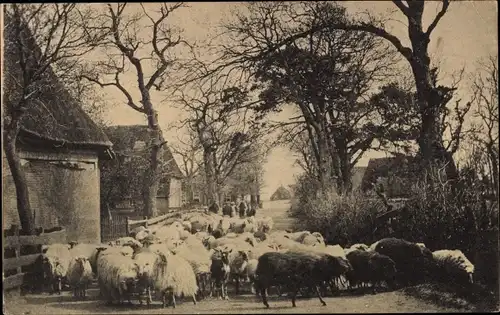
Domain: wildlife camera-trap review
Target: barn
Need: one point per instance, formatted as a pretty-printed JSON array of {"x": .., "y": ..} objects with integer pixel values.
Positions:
[
  {"x": 60, "y": 147},
  {"x": 131, "y": 143}
]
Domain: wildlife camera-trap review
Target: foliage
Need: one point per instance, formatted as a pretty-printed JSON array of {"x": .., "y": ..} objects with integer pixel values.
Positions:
[
  {"x": 434, "y": 214},
  {"x": 341, "y": 219}
]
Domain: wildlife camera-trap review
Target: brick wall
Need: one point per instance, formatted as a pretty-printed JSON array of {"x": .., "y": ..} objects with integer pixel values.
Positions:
[{"x": 60, "y": 193}]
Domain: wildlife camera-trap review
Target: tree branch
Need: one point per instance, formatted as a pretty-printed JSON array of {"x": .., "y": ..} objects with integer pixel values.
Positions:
[{"x": 432, "y": 26}]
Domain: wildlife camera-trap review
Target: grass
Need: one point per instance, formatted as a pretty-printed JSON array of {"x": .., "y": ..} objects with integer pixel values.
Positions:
[{"x": 474, "y": 299}]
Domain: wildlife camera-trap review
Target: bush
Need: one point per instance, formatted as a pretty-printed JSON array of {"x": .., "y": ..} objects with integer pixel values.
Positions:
[{"x": 340, "y": 219}]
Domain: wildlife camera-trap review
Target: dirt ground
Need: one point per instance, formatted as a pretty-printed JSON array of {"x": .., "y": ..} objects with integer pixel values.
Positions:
[{"x": 388, "y": 302}]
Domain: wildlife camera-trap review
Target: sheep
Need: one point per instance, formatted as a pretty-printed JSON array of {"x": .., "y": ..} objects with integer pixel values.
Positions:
[
  {"x": 168, "y": 233},
  {"x": 260, "y": 236},
  {"x": 130, "y": 241},
  {"x": 187, "y": 225},
  {"x": 297, "y": 236},
  {"x": 145, "y": 259},
  {"x": 117, "y": 275},
  {"x": 238, "y": 261},
  {"x": 87, "y": 250},
  {"x": 245, "y": 241},
  {"x": 141, "y": 235},
  {"x": 453, "y": 266},
  {"x": 201, "y": 223},
  {"x": 199, "y": 257},
  {"x": 173, "y": 276},
  {"x": 293, "y": 269},
  {"x": 313, "y": 239},
  {"x": 79, "y": 275},
  {"x": 368, "y": 266},
  {"x": 413, "y": 263},
  {"x": 220, "y": 272},
  {"x": 223, "y": 225},
  {"x": 136, "y": 230},
  {"x": 55, "y": 262},
  {"x": 250, "y": 270}
]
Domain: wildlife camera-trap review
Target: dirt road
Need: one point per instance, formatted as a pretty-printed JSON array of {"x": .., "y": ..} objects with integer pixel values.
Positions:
[
  {"x": 393, "y": 302},
  {"x": 390, "y": 302}
]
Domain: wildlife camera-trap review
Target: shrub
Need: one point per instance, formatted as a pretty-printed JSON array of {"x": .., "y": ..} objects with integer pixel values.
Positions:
[{"x": 341, "y": 219}]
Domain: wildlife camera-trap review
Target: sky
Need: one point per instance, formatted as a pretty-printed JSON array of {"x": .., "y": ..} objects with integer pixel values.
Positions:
[{"x": 466, "y": 33}]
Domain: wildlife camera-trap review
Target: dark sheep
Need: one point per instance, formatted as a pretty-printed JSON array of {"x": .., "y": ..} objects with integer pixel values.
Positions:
[
  {"x": 413, "y": 263},
  {"x": 370, "y": 267},
  {"x": 294, "y": 270},
  {"x": 220, "y": 272}
]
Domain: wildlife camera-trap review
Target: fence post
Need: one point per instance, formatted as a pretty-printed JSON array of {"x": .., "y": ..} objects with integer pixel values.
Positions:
[
  {"x": 127, "y": 226},
  {"x": 17, "y": 252}
]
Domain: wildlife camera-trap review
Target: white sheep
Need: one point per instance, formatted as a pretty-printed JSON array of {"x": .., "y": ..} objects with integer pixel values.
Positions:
[
  {"x": 117, "y": 275},
  {"x": 87, "y": 250},
  {"x": 145, "y": 259},
  {"x": 79, "y": 275},
  {"x": 251, "y": 268},
  {"x": 187, "y": 225},
  {"x": 360, "y": 246},
  {"x": 168, "y": 233},
  {"x": 126, "y": 241},
  {"x": 173, "y": 276},
  {"x": 238, "y": 260},
  {"x": 264, "y": 224},
  {"x": 453, "y": 265},
  {"x": 313, "y": 239},
  {"x": 56, "y": 258}
]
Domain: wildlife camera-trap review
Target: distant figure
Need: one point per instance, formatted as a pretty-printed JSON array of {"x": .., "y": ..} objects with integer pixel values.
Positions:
[
  {"x": 252, "y": 210},
  {"x": 226, "y": 210},
  {"x": 214, "y": 207},
  {"x": 233, "y": 209},
  {"x": 243, "y": 209}
]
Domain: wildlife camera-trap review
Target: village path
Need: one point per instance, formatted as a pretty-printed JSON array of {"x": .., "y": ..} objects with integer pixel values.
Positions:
[{"x": 387, "y": 302}]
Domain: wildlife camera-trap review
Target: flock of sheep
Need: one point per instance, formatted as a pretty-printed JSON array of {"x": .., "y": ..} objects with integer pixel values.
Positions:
[{"x": 199, "y": 254}]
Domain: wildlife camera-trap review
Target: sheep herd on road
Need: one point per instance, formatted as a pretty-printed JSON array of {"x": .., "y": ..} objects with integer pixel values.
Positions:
[{"x": 199, "y": 254}]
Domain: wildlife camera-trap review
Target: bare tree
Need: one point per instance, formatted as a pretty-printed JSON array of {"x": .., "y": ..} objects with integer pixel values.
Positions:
[
  {"x": 189, "y": 151},
  {"x": 42, "y": 41},
  {"x": 431, "y": 98},
  {"x": 326, "y": 74},
  {"x": 221, "y": 118},
  {"x": 485, "y": 89},
  {"x": 150, "y": 55}
]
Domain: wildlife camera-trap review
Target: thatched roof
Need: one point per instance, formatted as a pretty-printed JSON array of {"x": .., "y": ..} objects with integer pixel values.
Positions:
[
  {"x": 281, "y": 194},
  {"x": 125, "y": 137},
  {"x": 53, "y": 115}
]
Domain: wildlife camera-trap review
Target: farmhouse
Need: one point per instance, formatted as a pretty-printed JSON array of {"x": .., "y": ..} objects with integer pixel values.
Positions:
[
  {"x": 60, "y": 147},
  {"x": 131, "y": 144}
]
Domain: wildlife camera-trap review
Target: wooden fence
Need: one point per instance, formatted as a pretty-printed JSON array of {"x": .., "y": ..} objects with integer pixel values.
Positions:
[
  {"x": 120, "y": 225},
  {"x": 16, "y": 242}
]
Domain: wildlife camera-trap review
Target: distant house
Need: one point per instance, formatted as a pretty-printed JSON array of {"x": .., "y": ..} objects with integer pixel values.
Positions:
[
  {"x": 281, "y": 194},
  {"x": 357, "y": 174},
  {"x": 130, "y": 142},
  {"x": 394, "y": 173},
  {"x": 60, "y": 148}
]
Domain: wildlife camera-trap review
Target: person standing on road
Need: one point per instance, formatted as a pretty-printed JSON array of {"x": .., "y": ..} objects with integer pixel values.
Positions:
[{"x": 243, "y": 208}]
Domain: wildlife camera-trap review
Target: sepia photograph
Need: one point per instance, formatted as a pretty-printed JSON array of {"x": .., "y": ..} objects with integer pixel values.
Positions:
[{"x": 250, "y": 157}]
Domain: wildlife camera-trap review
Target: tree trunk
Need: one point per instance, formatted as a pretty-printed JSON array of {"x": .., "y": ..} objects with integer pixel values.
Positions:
[
  {"x": 429, "y": 98},
  {"x": 494, "y": 168},
  {"x": 18, "y": 176},
  {"x": 152, "y": 180},
  {"x": 210, "y": 180}
]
